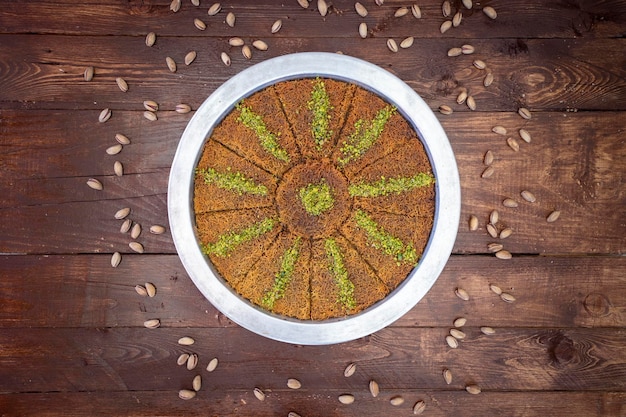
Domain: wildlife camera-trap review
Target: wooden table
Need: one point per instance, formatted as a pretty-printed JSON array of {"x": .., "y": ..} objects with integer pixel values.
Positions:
[{"x": 72, "y": 340}]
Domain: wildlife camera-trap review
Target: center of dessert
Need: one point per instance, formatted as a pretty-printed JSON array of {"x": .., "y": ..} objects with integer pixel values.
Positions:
[
  {"x": 317, "y": 198},
  {"x": 313, "y": 199}
]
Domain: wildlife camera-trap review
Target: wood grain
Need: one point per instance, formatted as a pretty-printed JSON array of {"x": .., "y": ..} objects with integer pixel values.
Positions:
[
  {"x": 71, "y": 336},
  {"x": 127, "y": 359},
  {"x": 575, "y": 163},
  {"x": 231, "y": 403},
  {"x": 523, "y": 19},
  {"x": 84, "y": 291},
  {"x": 541, "y": 74}
]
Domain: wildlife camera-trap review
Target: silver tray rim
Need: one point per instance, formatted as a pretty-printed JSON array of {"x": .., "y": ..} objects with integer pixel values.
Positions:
[{"x": 447, "y": 206}]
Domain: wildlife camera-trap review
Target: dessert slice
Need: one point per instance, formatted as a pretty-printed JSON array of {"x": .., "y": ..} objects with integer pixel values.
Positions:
[
  {"x": 391, "y": 243},
  {"x": 258, "y": 130},
  {"x": 234, "y": 240},
  {"x": 316, "y": 109},
  {"x": 226, "y": 181},
  {"x": 400, "y": 182},
  {"x": 279, "y": 281},
  {"x": 342, "y": 283},
  {"x": 373, "y": 129}
]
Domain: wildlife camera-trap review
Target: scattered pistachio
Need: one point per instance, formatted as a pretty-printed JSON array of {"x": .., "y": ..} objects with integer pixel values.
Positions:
[
  {"x": 473, "y": 223},
  {"x": 350, "y": 370},
  {"x": 121, "y": 84},
  {"x": 407, "y": 42},
  {"x": 401, "y": 11},
  {"x": 150, "y": 289},
  {"x": 116, "y": 258},
  {"x": 553, "y": 216},
  {"x": 322, "y": 7},
  {"x": 473, "y": 389},
  {"x": 197, "y": 382},
  {"x": 525, "y": 113},
  {"x": 212, "y": 365},
  {"x": 346, "y": 398},
  {"x": 199, "y": 24},
  {"x": 396, "y": 400},
  {"x": 490, "y": 12},
  {"x": 118, "y": 168},
  {"x": 214, "y": 9},
  {"x": 114, "y": 150},
  {"x": 416, "y": 11},
  {"x": 152, "y": 323},
  {"x": 445, "y": 26},
  {"x": 150, "y": 39},
  {"x": 94, "y": 184},
  {"x": 456, "y": 19},
  {"x": 104, "y": 115},
  {"x": 374, "y": 388},
  {"x": 503, "y": 254},
  {"x": 190, "y": 57},
  {"x": 225, "y": 59},
  {"x": 360, "y": 9},
  {"x": 462, "y": 294},
  {"x": 175, "y": 5},
  {"x": 259, "y": 394},
  {"x": 122, "y": 139},
  {"x": 171, "y": 64},
  {"x": 487, "y": 330},
  {"x": 230, "y": 19},
  {"x": 182, "y": 108},
  {"x": 88, "y": 74},
  {"x": 186, "y": 394},
  {"x": 122, "y": 213},
  {"x": 260, "y": 45},
  {"x": 363, "y": 30},
  {"x": 276, "y": 26}
]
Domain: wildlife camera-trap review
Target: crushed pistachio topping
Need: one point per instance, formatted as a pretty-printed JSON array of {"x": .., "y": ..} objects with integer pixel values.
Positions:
[
  {"x": 283, "y": 276},
  {"x": 229, "y": 241},
  {"x": 338, "y": 270},
  {"x": 268, "y": 140},
  {"x": 317, "y": 198},
  {"x": 365, "y": 134},
  {"x": 395, "y": 185},
  {"x": 380, "y": 239},
  {"x": 232, "y": 181},
  {"x": 321, "y": 108}
]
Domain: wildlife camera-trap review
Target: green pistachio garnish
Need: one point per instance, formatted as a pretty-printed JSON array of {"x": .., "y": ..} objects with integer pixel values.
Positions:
[
  {"x": 317, "y": 198},
  {"x": 337, "y": 269},
  {"x": 268, "y": 140},
  {"x": 229, "y": 241},
  {"x": 232, "y": 181},
  {"x": 386, "y": 186},
  {"x": 365, "y": 134},
  {"x": 380, "y": 239},
  {"x": 283, "y": 276},
  {"x": 321, "y": 108}
]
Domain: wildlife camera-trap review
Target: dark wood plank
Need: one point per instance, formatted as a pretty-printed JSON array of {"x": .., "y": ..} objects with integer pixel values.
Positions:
[
  {"x": 576, "y": 74},
  {"x": 518, "y": 18},
  {"x": 126, "y": 359},
  {"x": 84, "y": 291},
  {"x": 71, "y": 335},
  {"x": 280, "y": 402},
  {"x": 574, "y": 163}
]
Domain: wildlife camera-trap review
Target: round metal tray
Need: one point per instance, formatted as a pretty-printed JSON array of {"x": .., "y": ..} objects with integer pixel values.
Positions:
[{"x": 447, "y": 205}]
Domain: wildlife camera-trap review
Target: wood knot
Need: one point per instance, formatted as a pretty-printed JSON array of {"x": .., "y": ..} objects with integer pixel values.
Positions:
[
  {"x": 597, "y": 305},
  {"x": 446, "y": 85},
  {"x": 561, "y": 349}
]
